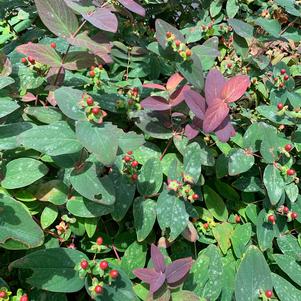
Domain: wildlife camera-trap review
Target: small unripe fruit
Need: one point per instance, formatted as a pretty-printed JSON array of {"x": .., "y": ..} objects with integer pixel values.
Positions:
[
  {"x": 206, "y": 226},
  {"x": 288, "y": 147},
  {"x": 188, "y": 52},
  {"x": 237, "y": 219},
  {"x": 24, "y": 298},
  {"x": 130, "y": 152},
  {"x": 134, "y": 164},
  {"x": 114, "y": 274},
  {"x": 90, "y": 101},
  {"x": 92, "y": 73},
  {"x": 269, "y": 294},
  {"x": 283, "y": 71},
  {"x": 127, "y": 158},
  {"x": 99, "y": 240},
  {"x": 100, "y": 66},
  {"x": 96, "y": 111},
  {"x": 271, "y": 219},
  {"x": 104, "y": 265},
  {"x": 178, "y": 43},
  {"x": 195, "y": 197},
  {"x": 281, "y": 85},
  {"x": 286, "y": 77},
  {"x": 31, "y": 60},
  {"x": 2, "y": 294},
  {"x": 229, "y": 65},
  {"x": 134, "y": 177},
  {"x": 168, "y": 34},
  {"x": 98, "y": 289},
  {"x": 276, "y": 79},
  {"x": 92, "y": 68},
  {"x": 280, "y": 106},
  {"x": 53, "y": 45},
  {"x": 290, "y": 172},
  {"x": 84, "y": 264},
  {"x": 24, "y": 60},
  {"x": 294, "y": 215},
  {"x": 285, "y": 210}
]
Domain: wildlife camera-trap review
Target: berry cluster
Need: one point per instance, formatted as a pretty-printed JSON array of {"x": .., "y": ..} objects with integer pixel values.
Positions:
[
  {"x": 95, "y": 74},
  {"x": 282, "y": 79},
  {"x": 130, "y": 166},
  {"x": 93, "y": 111},
  {"x": 183, "y": 189},
  {"x": 6, "y": 295},
  {"x": 181, "y": 48},
  {"x": 132, "y": 101},
  {"x": 99, "y": 271},
  {"x": 282, "y": 210}
]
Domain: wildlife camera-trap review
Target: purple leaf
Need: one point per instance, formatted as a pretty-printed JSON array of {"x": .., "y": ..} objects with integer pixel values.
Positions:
[
  {"x": 157, "y": 259},
  {"x": 178, "y": 96},
  {"x": 155, "y": 103},
  {"x": 174, "y": 81},
  {"x": 133, "y": 7},
  {"x": 43, "y": 54},
  {"x": 190, "y": 233},
  {"x": 153, "y": 86},
  {"x": 178, "y": 270},
  {"x": 225, "y": 131},
  {"x": 102, "y": 18},
  {"x": 235, "y": 88},
  {"x": 213, "y": 86},
  {"x": 150, "y": 276},
  {"x": 196, "y": 103},
  {"x": 193, "y": 129},
  {"x": 214, "y": 116}
]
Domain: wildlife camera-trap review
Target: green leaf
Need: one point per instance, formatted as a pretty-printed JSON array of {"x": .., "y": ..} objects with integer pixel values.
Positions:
[
  {"x": 184, "y": 295},
  {"x": 192, "y": 162},
  {"x": 54, "y": 191},
  {"x": 171, "y": 213},
  {"x": 46, "y": 115},
  {"x": 284, "y": 289},
  {"x": 147, "y": 151},
  {"x": 68, "y": 100},
  {"x": 290, "y": 6},
  {"x": 252, "y": 276},
  {"x": 17, "y": 229},
  {"x": 87, "y": 183},
  {"x": 240, "y": 238},
  {"x": 289, "y": 245},
  {"x": 100, "y": 140},
  {"x": 7, "y": 106},
  {"x": 270, "y": 113},
  {"x": 274, "y": 183},
  {"x": 53, "y": 269},
  {"x": 232, "y": 8},
  {"x": 48, "y": 216},
  {"x": 215, "y": 204},
  {"x": 289, "y": 266},
  {"x": 23, "y": 172},
  {"x": 241, "y": 28},
  {"x": 292, "y": 192},
  {"x": 248, "y": 184},
  {"x": 54, "y": 139},
  {"x": 240, "y": 161},
  {"x": 215, "y": 7},
  {"x": 5, "y": 81},
  {"x": 270, "y": 26},
  {"x": 130, "y": 141},
  {"x": 151, "y": 177},
  {"x": 144, "y": 211},
  {"x": 57, "y": 17},
  {"x": 265, "y": 231},
  {"x": 91, "y": 226},
  {"x": 222, "y": 233},
  {"x": 133, "y": 258}
]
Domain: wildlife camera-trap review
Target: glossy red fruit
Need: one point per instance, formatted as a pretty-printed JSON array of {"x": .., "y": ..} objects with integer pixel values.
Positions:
[
  {"x": 168, "y": 34},
  {"x": 286, "y": 77},
  {"x": 90, "y": 101},
  {"x": 294, "y": 215},
  {"x": 283, "y": 71},
  {"x": 276, "y": 79},
  {"x": 84, "y": 264},
  {"x": 288, "y": 147},
  {"x": 229, "y": 65},
  {"x": 281, "y": 85},
  {"x": 92, "y": 73},
  {"x": 290, "y": 172},
  {"x": 285, "y": 210},
  {"x": 98, "y": 289},
  {"x": 53, "y": 45},
  {"x": 272, "y": 219},
  {"x": 127, "y": 158},
  {"x": 178, "y": 43},
  {"x": 195, "y": 197},
  {"x": 31, "y": 60},
  {"x": 129, "y": 152},
  {"x": 280, "y": 106},
  {"x": 206, "y": 226},
  {"x": 24, "y": 298},
  {"x": 99, "y": 240},
  {"x": 23, "y": 60},
  {"x": 96, "y": 111},
  {"x": 104, "y": 265},
  {"x": 188, "y": 52},
  {"x": 134, "y": 177},
  {"x": 114, "y": 274},
  {"x": 268, "y": 294},
  {"x": 134, "y": 164},
  {"x": 237, "y": 219},
  {"x": 2, "y": 294}
]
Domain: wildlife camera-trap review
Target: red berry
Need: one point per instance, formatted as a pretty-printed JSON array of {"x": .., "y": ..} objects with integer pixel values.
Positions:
[
  {"x": 206, "y": 226},
  {"x": 2, "y": 294},
  {"x": 134, "y": 164},
  {"x": 168, "y": 34},
  {"x": 229, "y": 65},
  {"x": 237, "y": 219},
  {"x": 104, "y": 265},
  {"x": 286, "y": 77},
  {"x": 280, "y": 106},
  {"x": 92, "y": 73},
  {"x": 31, "y": 60},
  {"x": 98, "y": 289},
  {"x": 134, "y": 177},
  {"x": 188, "y": 52},
  {"x": 114, "y": 274},
  {"x": 178, "y": 43},
  {"x": 281, "y": 85},
  {"x": 24, "y": 60},
  {"x": 269, "y": 293},
  {"x": 294, "y": 215},
  {"x": 290, "y": 172},
  {"x": 53, "y": 45},
  {"x": 276, "y": 79},
  {"x": 84, "y": 264},
  {"x": 92, "y": 68},
  {"x": 90, "y": 101},
  {"x": 95, "y": 110},
  {"x": 195, "y": 197},
  {"x": 288, "y": 147},
  {"x": 129, "y": 152},
  {"x": 99, "y": 240},
  {"x": 285, "y": 210},
  {"x": 24, "y": 298},
  {"x": 283, "y": 71},
  {"x": 127, "y": 158},
  {"x": 271, "y": 219}
]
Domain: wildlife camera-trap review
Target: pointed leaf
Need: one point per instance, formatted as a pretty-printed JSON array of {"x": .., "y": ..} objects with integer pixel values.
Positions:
[
  {"x": 214, "y": 116},
  {"x": 213, "y": 86},
  {"x": 150, "y": 276},
  {"x": 196, "y": 103},
  {"x": 285, "y": 290},
  {"x": 155, "y": 103},
  {"x": 157, "y": 259},
  {"x": 235, "y": 88},
  {"x": 154, "y": 86},
  {"x": 133, "y": 7},
  {"x": 225, "y": 131},
  {"x": 174, "y": 81},
  {"x": 178, "y": 270},
  {"x": 178, "y": 96}
]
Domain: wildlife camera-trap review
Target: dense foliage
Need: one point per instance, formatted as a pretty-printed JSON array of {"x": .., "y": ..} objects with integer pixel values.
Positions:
[{"x": 150, "y": 151}]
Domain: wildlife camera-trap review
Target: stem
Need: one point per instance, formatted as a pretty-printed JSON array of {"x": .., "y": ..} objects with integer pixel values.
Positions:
[{"x": 166, "y": 149}]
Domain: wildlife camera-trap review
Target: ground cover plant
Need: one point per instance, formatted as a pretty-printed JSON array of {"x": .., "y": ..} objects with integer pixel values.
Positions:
[{"x": 150, "y": 150}]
